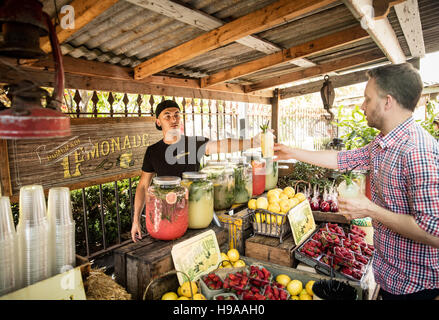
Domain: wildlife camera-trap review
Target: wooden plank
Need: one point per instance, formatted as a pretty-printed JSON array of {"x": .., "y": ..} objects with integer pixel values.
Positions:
[
  {"x": 382, "y": 7},
  {"x": 329, "y": 217},
  {"x": 271, "y": 250},
  {"x": 311, "y": 87},
  {"x": 85, "y": 11},
  {"x": 264, "y": 18},
  {"x": 75, "y": 81},
  {"x": 410, "y": 22},
  {"x": 90, "y": 68},
  {"x": 303, "y": 50},
  {"x": 380, "y": 30},
  {"x": 343, "y": 63},
  {"x": 275, "y": 104},
  {"x": 5, "y": 175}
]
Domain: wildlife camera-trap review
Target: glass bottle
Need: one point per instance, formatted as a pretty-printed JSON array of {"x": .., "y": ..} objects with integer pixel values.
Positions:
[
  {"x": 258, "y": 172},
  {"x": 200, "y": 207},
  {"x": 167, "y": 208}
]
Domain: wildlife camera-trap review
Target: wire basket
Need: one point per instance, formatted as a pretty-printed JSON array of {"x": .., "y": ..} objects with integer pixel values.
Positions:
[{"x": 269, "y": 223}]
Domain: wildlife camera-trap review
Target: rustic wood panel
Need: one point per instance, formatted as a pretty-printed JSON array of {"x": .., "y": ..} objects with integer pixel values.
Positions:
[
  {"x": 99, "y": 149},
  {"x": 5, "y": 177},
  {"x": 329, "y": 217},
  {"x": 271, "y": 250}
]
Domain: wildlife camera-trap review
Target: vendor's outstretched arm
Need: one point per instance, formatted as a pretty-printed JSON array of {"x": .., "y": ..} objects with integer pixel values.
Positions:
[
  {"x": 324, "y": 158},
  {"x": 139, "y": 203},
  {"x": 230, "y": 145}
]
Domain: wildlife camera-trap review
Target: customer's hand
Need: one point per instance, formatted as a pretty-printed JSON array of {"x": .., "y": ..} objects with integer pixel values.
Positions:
[
  {"x": 136, "y": 232},
  {"x": 282, "y": 152},
  {"x": 355, "y": 208}
]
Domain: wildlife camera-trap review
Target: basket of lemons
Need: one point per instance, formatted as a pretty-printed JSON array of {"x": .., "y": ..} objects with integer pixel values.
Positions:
[{"x": 269, "y": 214}]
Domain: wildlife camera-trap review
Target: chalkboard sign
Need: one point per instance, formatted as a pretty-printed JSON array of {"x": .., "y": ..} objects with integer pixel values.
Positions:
[{"x": 99, "y": 150}]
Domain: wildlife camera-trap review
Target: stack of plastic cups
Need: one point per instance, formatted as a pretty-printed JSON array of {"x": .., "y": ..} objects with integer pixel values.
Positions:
[
  {"x": 9, "y": 268},
  {"x": 62, "y": 229},
  {"x": 33, "y": 235}
]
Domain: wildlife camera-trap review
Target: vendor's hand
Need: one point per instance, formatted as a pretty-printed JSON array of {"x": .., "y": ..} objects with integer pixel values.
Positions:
[
  {"x": 136, "y": 232},
  {"x": 355, "y": 208},
  {"x": 282, "y": 152}
]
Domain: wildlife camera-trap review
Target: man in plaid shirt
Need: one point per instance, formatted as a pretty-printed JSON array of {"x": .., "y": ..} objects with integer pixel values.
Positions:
[{"x": 403, "y": 161}]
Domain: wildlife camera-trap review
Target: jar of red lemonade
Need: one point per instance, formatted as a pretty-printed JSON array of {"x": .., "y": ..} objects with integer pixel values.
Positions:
[
  {"x": 258, "y": 172},
  {"x": 167, "y": 208}
]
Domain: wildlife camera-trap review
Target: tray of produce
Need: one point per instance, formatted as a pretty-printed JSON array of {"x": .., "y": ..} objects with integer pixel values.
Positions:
[{"x": 341, "y": 249}]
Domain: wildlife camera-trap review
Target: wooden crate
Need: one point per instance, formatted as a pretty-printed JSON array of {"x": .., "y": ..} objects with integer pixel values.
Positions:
[
  {"x": 271, "y": 250},
  {"x": 329, "y": 217},
  {"x": 136, "y": 264}
]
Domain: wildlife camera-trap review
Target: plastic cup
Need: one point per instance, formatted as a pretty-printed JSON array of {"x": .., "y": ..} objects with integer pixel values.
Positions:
[
  {"x": 9, "y": 269},
  {"x": 62, "y": 229}
]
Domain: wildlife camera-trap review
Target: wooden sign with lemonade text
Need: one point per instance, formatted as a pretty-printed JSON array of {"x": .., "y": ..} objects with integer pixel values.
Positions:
[{"x": 99, "y": 150}]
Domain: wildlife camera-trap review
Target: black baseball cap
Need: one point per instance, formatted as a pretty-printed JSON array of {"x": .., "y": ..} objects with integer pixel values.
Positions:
[{"x": 162, "y": 106}]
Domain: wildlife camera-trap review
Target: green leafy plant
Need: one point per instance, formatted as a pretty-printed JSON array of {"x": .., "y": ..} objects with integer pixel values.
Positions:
[
  {"x": 429, "y": 123},
  {"x": 265, "y": 127},
  {"x": 356, "y": 132}
]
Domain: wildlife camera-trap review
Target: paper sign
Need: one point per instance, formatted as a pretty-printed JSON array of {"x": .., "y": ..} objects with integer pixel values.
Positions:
[
  {"x": 196, "y": 256},
  {"x": 301, "y": 221}
]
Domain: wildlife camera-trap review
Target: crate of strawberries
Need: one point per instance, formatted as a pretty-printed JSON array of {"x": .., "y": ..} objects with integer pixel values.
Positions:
[{"x": 342, "y": 249}]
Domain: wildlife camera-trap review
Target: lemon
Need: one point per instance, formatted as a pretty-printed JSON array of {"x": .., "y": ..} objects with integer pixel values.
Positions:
[
  {"x": 293, "y": 202},
  {"x": 273, "y": 192},
  {"x": 252, "y": 204},
  {"x": 279, "y": 220},
  {"x": 233, "y": 255},
  {"x": 283, "y": 196},
  {"x": 300, "y": 196},
  {"x": 259, "y": 217},
  {"x": 295, "y": 287},
  {"x": 183, "y": 298},
  {"x": 179, "y": 291},
  {"x": 262, "y": 203},
  {"x": 308, "y": 287},
  {"x": 274, "y": 198},
  {"x": 170, "y": 296},
  {"x": 289, "y": 191},
  {"x": 239, "y": 263},
  {"x": 225, "y": 258},
  {"x": 186, "y": 288},
  {"x": 278, "y": 190},
  {"x": 294, "y": 298},
  {"x": 305, "y": 296},
  {"x": 283, "y": 279},
  {"x": 271, "y": 219},
  {"x": 199, "y": 296},
  {"x": 274, "y": 207},
  {"x": 284, "y": 206}
]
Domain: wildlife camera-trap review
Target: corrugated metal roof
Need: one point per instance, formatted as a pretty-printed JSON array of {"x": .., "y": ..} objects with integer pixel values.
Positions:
[{"x": 127, "y": 34}]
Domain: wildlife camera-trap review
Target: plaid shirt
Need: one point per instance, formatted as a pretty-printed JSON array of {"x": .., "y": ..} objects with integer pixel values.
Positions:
[{"x": 404, "y": 173}]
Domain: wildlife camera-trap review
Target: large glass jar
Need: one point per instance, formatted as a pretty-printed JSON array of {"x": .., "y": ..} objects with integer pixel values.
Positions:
[
  {"x": 271, "y": 173},
  {"x": 258, "y": 172},
  {"x": 243, "y": 180},
  {"x": 166, "y": 208},
  {"x": 200, "y": 199},
  {"x": 221, "y": 173}
]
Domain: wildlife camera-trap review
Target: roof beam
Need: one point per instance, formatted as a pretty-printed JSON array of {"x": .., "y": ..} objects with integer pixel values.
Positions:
[
  {"x": 380, "y": 30},
  {"x": 382, "y": 7},
  {"x": 85, "y": 11},
  {"x": 300, "y": 51},
  {"x": 267, "y": 17},
  {"x": 311, "y": 87},
  {"x": 317, "y": 70},
  {"x": 410, "y": 21},
  {"x": 203, "y": 21}
]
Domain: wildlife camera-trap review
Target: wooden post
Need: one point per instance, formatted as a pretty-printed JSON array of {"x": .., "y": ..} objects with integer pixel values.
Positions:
[{"x": 275, "y": 101}]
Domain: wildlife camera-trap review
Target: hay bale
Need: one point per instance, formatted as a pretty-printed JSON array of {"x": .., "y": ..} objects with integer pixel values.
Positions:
[{"x": 100, "y": 286}]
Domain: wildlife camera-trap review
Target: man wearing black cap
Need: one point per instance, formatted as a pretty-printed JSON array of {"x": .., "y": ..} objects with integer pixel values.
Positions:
[{"x": 177, "y": 153}]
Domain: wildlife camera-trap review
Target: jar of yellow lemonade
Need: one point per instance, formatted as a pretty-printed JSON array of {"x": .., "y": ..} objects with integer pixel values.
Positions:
[
  {"x": 200, "y": 199},
  {"x": 271, "y": 173}
]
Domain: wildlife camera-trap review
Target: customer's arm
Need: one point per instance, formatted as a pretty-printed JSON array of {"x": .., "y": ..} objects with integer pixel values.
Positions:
[
  {"x": 139, "y": 203},
  {"x": 324, "y": 158}
]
